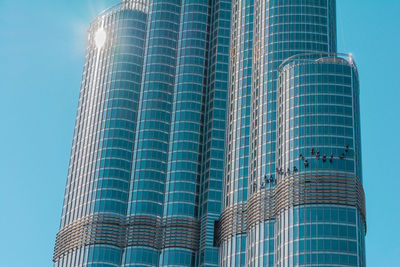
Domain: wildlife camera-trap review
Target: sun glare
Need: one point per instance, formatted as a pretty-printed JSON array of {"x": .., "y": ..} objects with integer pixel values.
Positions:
[{"x": 100, "y": 37}]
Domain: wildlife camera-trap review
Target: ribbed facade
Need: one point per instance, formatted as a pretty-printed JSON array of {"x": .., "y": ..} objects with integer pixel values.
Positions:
[
  {"x": 145, "y": 180},
  {"x": 211, "y": 179},
  {"x": 281, "y": 190},
  {"x": 97, "y": 190},
  {"x": 215, "y": 133},
  {"x": 238, "y": 126},
  {"x": 283, "y": 29},
  {"x": 320, "y": 206}
]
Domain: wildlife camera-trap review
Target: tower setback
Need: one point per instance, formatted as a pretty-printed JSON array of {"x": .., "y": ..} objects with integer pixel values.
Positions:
[{"x": 215, "y": 133}]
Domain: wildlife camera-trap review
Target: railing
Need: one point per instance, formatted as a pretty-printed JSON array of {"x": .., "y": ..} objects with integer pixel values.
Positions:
[
  {"x": 140, "y": 5},
  {"x": 338, "y": 58}
]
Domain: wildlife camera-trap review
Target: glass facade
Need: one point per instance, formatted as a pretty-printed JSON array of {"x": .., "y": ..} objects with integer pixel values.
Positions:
[
  {"x": 238, "y": 126},
  {"x": 145, "y": 180},
  {"x": 318, "y": 147},
  {"x": 97, "y": 189},
  {"x": 211, "y": 179},
  {"x": 291, "y": 114},
  {"x": 215, "y": 133},
  {"x": 283, "y": 29}
]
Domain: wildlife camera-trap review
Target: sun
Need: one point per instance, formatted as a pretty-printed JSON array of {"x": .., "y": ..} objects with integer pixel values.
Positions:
[{"x": 100, "y": 37}]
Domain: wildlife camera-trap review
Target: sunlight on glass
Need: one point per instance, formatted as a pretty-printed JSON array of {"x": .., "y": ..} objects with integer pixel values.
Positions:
[{"x": 100, "y": 38}]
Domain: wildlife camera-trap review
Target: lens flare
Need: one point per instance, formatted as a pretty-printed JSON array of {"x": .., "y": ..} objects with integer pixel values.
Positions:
[{"x": 100, "y": 37}]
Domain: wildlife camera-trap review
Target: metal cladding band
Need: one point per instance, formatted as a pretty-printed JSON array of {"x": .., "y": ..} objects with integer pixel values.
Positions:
[
  {"x": 240, "y": 218},
  {"x": 180, "y": 232},
  {"x": 170, "y": 232},
  {"x": 295, "y": 190},
  {"x": 260, "y": 207},
  {"x": 95, "y": 229},
  {"x": 134, "y": 231},
  {"x": 143, "y": 231},
  {"x": 232, "y": 221},
  {"x": 320, "y": 188}
]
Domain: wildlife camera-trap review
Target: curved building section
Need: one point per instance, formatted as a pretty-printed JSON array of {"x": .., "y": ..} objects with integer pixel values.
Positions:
[
  {"x": 96, "y": 195},
  {"x": 282, "y": 29},
  {"x": 320, "y": 206},
  {"x": 150, "y": 154},
  {"x": 233, "y": 245},
  {"x": 167, "y": 134},
  {"x": 212, "y": 169},
  {"x": 145, "y": 180},
  {"x": 185, "y": 140}
]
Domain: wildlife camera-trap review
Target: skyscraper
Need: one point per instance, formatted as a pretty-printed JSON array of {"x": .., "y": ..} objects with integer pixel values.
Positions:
[
  {"x": 305, "y": 203},
  {"x": 319, "y": 201},
  {"x": 215, "y": 133},
  {"x": 146, "y": 169}
]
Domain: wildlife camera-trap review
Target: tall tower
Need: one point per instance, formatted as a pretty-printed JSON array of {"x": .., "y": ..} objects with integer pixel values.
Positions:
[
  {"x": 281, "y": 30},
  {"x": 144, "y": 186},
  {"x": 97, "y": 191},
  {"x": 233, "y": 245},
  {"x": 319, "y": 201},
  {"x": 173, "y": 158}
]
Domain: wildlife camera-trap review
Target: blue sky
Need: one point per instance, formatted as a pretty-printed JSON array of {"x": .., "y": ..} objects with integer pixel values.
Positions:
[{"x": 42, "y": 46}]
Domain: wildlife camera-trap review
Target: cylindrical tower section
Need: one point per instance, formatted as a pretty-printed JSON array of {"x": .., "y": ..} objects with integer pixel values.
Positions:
[
  {"x": 93, "y": 219},
  {"x": 282, "y": 29},
  {"x": 180, "y": 212},
  {"x": 320, "y": 207},
  {"x": 150, "y": 156},
  {"x": 212, "y": 170},
  {"x": 232, "y": 222}
]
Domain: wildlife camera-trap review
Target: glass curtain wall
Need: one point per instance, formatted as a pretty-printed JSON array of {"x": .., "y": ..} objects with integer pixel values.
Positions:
[
  {"x": 145, "y": 180},
  {"x": 233, "y": 247},
  {"x": 181, "y": 198},
  {"x": 150, "y": 156},
  {"x": 97, "y": 187},
  {"x": 281, "y": 29},
  {"x": 211, "y": 181},
  {"x": 319, "y": 157}
]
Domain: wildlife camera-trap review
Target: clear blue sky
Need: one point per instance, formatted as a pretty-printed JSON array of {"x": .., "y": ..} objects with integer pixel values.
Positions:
[{"x": 42, "y": 45}]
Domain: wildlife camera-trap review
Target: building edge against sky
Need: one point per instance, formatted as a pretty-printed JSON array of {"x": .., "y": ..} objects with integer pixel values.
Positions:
[
  {"x": 146, "y": 183},
  {"x": 322, "y": 221},
  {"x": 97, "y": 187},
  {"x": 274, "y": 237},
  {"x": 145, "y": 176}
]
